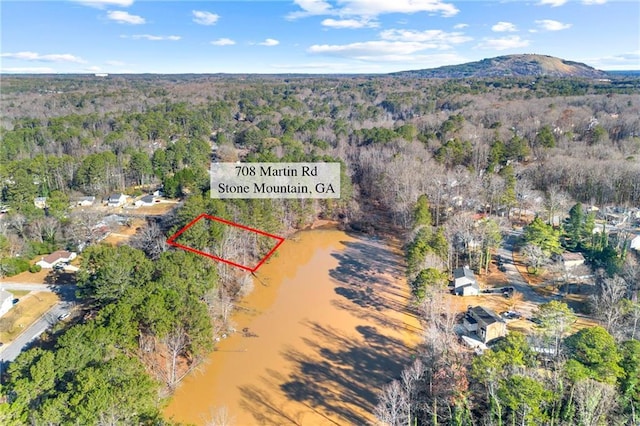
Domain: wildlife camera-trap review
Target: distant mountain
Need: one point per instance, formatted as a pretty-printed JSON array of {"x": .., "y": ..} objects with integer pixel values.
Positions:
[{"x": 510, "y": 66}]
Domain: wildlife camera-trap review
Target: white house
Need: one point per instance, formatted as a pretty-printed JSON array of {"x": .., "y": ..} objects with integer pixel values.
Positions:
[
  {"x": 116, "y": 200},
  {"x": 464, "y": 282},
  {"x": 6, "y": 302},
  {"x": 86, "y": 201},
  {"x": 147, "y": 200},
  {"x": 60, "y": 256},
  {"x": 635, "y": 242}
]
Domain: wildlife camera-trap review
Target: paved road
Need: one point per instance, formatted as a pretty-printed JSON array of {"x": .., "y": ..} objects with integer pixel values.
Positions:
[
  {"x": 12, "y": 350},
  {"x": 66, "y": 292},
  {"x": 516, "y": 280}
]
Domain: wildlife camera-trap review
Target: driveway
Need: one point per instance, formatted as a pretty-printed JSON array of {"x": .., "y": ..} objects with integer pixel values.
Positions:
[{"x": 516, "y": 280}]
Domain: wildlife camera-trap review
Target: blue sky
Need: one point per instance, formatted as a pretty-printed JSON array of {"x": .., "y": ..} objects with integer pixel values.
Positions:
[{"x": 308, "y": 36}]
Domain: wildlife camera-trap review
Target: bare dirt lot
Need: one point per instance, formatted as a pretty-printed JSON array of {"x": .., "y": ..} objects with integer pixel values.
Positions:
[{"x": 122, "y": 234}]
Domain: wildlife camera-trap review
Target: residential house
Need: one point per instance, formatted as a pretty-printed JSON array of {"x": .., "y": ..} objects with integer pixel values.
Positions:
[
  {"x": 634, "y": 243},
  {"x": 571, "y": 260},
  {"x": 116, "y": 200},
  {"x": 6, "y": 302},
  {"x": 464, "y": 282},
  {"x": 40, "y": 202},
  {"x": 86, "y": 201},
  {"x": 147, "y": 200},
  {"x": 484, "y": 323},
  {"x": 60, "y": 256}
]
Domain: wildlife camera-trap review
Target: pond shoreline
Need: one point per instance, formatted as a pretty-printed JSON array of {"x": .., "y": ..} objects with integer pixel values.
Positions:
[{"x": 326, "y": 327}]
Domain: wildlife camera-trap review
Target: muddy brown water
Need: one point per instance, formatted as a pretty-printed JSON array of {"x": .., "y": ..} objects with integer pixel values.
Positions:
[{"x": 325, "y": 328}]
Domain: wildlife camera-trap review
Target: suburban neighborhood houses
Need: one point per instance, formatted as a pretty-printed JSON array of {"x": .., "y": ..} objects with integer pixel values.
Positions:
[
  {"x": 481, "y": 266},
  {"x": 56, "y": 258}
]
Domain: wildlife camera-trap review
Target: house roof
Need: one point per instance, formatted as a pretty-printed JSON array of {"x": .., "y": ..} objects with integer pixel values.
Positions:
[
  {"x": 40, "y": 199},
  {"x": 485, "y": 314},
  {"x": 147, "y": 199},
  {"x": 56, "y": 256},
  {"x": 92, "y": 198},
  {"x": 464, "y": 272},
  {"x": 115, "y": 197}
]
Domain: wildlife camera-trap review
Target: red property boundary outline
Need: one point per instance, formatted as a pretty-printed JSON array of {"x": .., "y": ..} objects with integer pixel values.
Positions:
[{"x": 172, "y": 241}]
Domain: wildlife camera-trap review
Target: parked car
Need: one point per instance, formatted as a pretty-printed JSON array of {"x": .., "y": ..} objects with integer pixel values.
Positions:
[{"x": 63, "y": 316}]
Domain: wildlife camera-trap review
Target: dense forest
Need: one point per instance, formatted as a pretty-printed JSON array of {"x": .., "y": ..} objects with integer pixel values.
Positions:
[{"x": 420, "y": 158}]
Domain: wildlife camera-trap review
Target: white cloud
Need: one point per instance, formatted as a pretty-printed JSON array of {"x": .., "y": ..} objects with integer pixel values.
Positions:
[
  {"x": 621, "y": 61},
  {"x": 33, "y": 56},
  {"x": 122, "y": 17},
  {"x": 504, "y": 43},
  {"x": 93, "y": 68},
  {"x": 269, "y": 42},
  {"x": 384, "y": 65},
  {"x": 437, "y": 38},
  {"x": 152, "y": 37},
  {"x": 349, "y": 23},
  {"x": 310, "y": 8},
  {"x": 387, "y": 51},
  {"x": 553, "y": 3},
  {"x": 223, "y": 42},
  {"x": 551, "y": 25},
  {"x": 371, "y": 8},
  {"x": 380, "y": 7},
  {"x": 502, "y": 27},
  {"x": 204, "y": 18},
  {"x": 28, "y": 70},
  {"x": 381, "y": 50},
  {"x": 460, "y": 26},
  {"x": 100, "y": 4},
  {"x": 591, "y": 2}
]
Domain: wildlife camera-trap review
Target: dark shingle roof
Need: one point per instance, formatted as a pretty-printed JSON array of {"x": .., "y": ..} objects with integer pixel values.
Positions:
[{"x": 485, "y": 314}]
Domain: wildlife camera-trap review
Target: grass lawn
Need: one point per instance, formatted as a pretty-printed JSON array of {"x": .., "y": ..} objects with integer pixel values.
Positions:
[{"x": 24, "y": 313}]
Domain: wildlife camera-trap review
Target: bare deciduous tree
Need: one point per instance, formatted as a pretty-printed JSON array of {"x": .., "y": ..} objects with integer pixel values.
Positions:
[
  {"x": 606, "y": 303},
  {"x": 594, "y": 401}
]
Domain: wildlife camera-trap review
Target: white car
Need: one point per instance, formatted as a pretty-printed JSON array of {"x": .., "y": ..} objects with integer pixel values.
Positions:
[{"x": 63, "y": 316}]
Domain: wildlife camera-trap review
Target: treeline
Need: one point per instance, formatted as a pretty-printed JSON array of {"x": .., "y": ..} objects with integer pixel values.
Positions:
[
  {"x": 152, "y": 322},
  {"x": 555, "y": 378}
]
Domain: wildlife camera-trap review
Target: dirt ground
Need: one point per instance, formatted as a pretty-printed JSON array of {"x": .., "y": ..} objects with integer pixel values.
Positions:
[
  {"x": 123, "y": 233},
  {"x": 28, "y": 277},
  {"x": 538, "y": 279},
  {"x": 24, "y": 313},
  {"x": 157, "y": 209}
]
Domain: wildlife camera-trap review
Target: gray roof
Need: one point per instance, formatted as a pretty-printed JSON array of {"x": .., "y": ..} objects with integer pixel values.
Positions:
[
  {"x": 115, "y": 197},
  {"x": 485, "y": 314},
  {"x": 463, "y": 272},
  {"x": 147, "y": 199}
]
